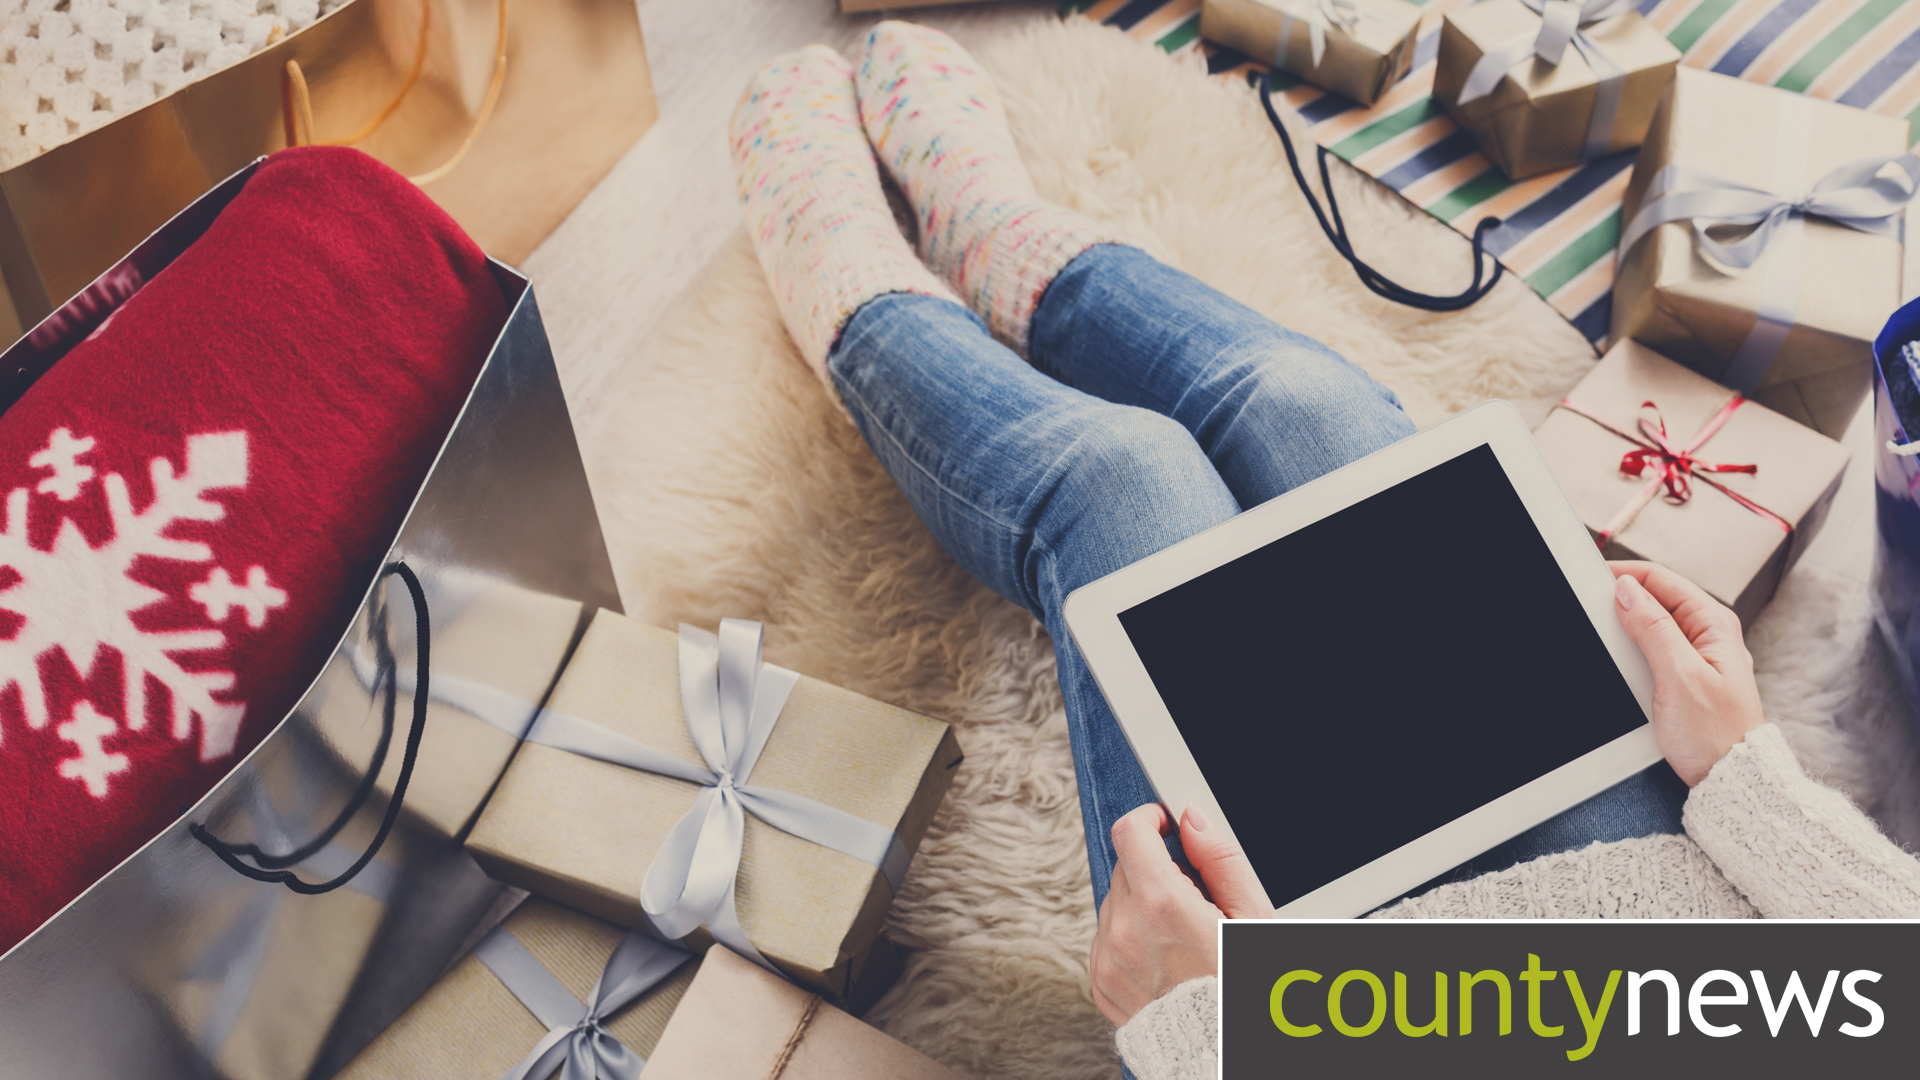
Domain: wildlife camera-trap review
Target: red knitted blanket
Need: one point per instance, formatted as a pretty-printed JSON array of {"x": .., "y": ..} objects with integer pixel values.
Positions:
[{"x": 196, "y": 497}]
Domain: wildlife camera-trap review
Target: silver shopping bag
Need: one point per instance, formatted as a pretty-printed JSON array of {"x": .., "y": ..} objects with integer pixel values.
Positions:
[{"x": 176, "y": 964}]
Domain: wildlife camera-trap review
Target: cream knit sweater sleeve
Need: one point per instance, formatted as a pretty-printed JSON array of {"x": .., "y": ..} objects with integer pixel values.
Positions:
[
  {"x": 1796, "y": 848},
  {"x": 1172, "y": 1038}
]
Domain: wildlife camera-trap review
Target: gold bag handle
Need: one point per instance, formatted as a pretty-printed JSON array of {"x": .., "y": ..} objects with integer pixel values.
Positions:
[{"x": 296, "y": 102}]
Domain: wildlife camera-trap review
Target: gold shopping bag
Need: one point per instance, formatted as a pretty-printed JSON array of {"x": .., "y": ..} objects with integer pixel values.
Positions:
[{"x": 573, "y": 96}]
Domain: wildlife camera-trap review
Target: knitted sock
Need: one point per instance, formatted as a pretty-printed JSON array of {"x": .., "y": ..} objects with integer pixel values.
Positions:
[
  {"x": 935, "y": 120},
  {"x": 815, "y": 208}
]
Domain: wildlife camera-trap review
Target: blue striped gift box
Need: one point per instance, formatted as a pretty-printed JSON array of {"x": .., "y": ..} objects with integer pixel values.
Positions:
[{"x": 1559, "y": 230}]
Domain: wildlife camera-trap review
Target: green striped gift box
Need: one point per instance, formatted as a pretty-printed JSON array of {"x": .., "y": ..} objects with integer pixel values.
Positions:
[{"x": 1559, "y": 231}]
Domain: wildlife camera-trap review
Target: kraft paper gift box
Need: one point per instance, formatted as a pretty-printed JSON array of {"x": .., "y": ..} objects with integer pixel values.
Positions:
[
  {"x": 1735, "y": 540},
  {"x": 737, "y": 1022},
  {"x": 495, "y": 650},
  {"x": 473, "y": 1025},
  {"x": 1364, "y": 46},
  {"x": 260, "y": 972},
  {"x": 586, "y": 832},
  {"x": 1832, "y": 285},
  {"x": 1542, "y": 116}
]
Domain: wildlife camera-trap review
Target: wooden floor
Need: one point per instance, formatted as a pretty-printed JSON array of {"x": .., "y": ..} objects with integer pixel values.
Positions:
[{"x": 608, "y": 273}]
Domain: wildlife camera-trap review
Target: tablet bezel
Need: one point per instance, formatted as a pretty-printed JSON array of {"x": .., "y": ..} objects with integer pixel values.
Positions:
[{"x": 1092, "y": 614}]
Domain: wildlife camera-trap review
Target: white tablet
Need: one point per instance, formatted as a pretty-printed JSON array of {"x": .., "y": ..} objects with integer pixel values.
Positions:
[{"x": 1381, "y": 674}]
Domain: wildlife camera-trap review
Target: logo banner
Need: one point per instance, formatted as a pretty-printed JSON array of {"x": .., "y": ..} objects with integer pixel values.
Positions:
[{"x": 1595, "y": 996}]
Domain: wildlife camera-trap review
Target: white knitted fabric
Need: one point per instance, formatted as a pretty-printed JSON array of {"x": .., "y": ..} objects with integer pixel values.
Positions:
[
  {"x": 1797, "y": 848},
  {"x": 1764, "y": 840},
  {"x": 815, "y": 208},
  {"x": 69, "y": 66},
  {"x": 1172, "y": 1037}
]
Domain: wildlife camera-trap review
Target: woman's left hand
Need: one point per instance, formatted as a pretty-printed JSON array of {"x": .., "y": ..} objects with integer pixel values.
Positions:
[{"x": 1157, "y": 929}]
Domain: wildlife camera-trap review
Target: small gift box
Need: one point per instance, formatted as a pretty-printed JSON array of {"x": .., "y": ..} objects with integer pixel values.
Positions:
[
  {"x": 737, "y": 1022},
  {"x": 1352, "y": 47},
  {"x": 1667, "y": 466},
  {"x": 1762, "y": 242},
  {"x": 1547, "y": 84},
  {"x": 496, "y": 648},
  {"x": 678, "y": 785},
  {"x": 545, "y": 986}
]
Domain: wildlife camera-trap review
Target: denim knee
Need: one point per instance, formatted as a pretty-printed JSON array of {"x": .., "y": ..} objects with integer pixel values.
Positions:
[{"x": 1132, "y": 483}]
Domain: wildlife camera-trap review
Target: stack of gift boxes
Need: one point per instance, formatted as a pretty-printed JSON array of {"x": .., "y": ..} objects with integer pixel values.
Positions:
[
  {"x": 711, "y": 843},
  {"x": 1760, "y": 253}
]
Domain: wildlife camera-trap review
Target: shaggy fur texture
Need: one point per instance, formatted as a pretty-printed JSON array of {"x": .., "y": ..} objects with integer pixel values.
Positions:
[{"x": 737, "y": 487}]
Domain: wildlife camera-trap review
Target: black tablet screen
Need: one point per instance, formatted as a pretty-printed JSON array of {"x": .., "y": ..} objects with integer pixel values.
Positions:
[{"x": 1366, "y": 679}]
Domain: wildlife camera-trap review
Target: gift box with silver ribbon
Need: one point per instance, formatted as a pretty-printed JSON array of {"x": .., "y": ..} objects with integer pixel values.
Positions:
[{"x": 679, "y": 785}]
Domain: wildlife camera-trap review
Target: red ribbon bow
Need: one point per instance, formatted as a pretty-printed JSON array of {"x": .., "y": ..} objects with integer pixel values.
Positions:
[{"x": 1672, "y": 467}]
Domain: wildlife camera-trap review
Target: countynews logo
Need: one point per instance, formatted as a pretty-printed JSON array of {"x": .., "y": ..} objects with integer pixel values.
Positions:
[
  {"x": 1355, "y": 1002},
  {"x": 1643, "y": 999}
]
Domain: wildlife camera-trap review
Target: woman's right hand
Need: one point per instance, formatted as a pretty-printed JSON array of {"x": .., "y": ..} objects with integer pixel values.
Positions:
[{"x": 1704, "y": 697}]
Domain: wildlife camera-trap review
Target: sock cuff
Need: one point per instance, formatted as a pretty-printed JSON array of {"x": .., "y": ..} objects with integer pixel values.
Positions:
[
  {"x": 823, "y": 297},
  {"x": 1019, "y": 258}
]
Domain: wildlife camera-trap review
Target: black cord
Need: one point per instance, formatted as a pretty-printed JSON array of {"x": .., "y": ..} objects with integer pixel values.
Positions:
[
  {"x": 272, "y": 864},
  {"x": 1336, "y": 229}
]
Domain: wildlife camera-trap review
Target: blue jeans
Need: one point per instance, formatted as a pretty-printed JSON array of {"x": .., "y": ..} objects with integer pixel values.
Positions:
[{"x": 1154, "y": 408}]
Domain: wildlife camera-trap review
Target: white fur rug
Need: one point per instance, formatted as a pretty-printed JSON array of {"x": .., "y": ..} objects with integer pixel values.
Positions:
[{"x": 731, "y": 485}]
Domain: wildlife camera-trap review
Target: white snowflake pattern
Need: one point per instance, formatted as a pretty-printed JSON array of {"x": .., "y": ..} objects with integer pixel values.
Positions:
[
  {"x": 62, "y": 454},
  {"x": 94, "y": 763},
  {"x": 220, "y": 595},
  {"x": 81, "y": 599}
]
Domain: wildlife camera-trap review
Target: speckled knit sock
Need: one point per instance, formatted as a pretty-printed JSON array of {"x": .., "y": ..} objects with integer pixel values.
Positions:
[
  {"x": 935, "y": 120},
  {"x": 815, "y": 208}
]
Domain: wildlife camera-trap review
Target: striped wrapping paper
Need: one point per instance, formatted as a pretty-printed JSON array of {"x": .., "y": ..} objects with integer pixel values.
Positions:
[{"x": 1559, "y": 230}]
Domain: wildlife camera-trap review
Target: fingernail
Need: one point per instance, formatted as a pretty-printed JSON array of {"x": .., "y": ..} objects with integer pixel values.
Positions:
[
  {"x": 1196, "y": 820},
  {"x": 1624, "y": 592}
]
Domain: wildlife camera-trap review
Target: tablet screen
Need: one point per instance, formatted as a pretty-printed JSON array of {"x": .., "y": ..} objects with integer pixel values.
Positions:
[{"x": 1368, "y": 678}]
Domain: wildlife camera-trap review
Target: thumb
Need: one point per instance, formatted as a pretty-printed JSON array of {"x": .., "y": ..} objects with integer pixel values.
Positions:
[
  {"x": 1223, "y": 868},
  {"x": 1651, "y": 627}
]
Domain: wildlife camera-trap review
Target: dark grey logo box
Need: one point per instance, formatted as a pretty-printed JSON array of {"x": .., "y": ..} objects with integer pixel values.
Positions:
[{"x": 1255, "y": 956}]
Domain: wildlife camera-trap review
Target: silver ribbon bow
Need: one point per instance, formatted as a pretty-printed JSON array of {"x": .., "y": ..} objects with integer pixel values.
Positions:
[
  {"x": 732, "y": 701},
  {"x": 577, "y": 1041},
  {"x": 1867, "y": 195},
  {"x": 237, "y": 955},
  {"x": 1319, "y": 15},
  {"x": 1562, "y": 23}
]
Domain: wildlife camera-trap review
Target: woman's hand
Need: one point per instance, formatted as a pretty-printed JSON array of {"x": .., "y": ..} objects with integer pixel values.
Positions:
[
  {"x": 1157, "y": 927},
  {"x": 1704, "y": 697}
]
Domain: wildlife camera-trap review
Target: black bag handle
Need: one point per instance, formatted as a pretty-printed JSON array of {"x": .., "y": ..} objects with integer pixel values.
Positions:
[
  {"x": 272, "y": 868},
  {"x": 1336, "y": 230}
]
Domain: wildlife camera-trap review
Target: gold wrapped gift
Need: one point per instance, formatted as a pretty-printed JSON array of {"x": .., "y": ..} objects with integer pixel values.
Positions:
[
  {"x": 1353, "y": 47},
  {"x": 1737, "y": 533},
  {"x": 737, "y": 1022},
  {"x": 579, "y": 94},
  {"x": 1531, "y": 116},
  {"x": 1794, "y": 329},
  {"x": 474, "y": 1025},
  {"x": 571, "y": 824},
  {"x": 496, "y": 651}
]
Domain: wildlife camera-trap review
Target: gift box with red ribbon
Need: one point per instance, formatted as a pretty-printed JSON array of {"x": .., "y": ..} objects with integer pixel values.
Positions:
[{"x": 1666, "y": 465}]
